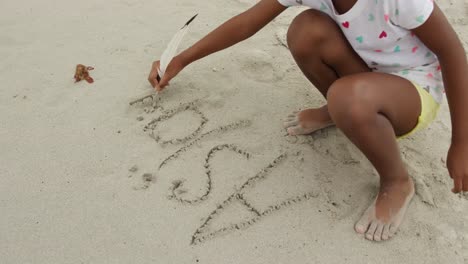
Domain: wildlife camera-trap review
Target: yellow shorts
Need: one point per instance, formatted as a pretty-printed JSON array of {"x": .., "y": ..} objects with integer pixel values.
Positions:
[{"x": 429, "y": 109}]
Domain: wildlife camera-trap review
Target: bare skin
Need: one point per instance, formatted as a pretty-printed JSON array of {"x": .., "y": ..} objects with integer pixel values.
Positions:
[
  {"x": 322, "y": 65},
  {"x": 370, "y": 108},
  {"x": 308, "y": 121}
]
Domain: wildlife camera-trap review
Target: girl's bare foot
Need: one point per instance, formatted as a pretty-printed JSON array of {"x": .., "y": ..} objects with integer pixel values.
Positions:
[
  {"x": 384, "y": 216},
  {"x": 308, "y": 121}
]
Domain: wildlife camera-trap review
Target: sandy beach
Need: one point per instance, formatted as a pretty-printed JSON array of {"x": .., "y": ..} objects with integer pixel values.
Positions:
[{"x": 204, "y": 173}]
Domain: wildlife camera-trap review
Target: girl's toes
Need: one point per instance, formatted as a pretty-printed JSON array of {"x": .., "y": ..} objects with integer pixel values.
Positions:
[
  {"x": 363, "y": 224},
  {"x": 290, "y": 123},
  {"x": 378, "y": 232},
  {"x": 296, "y": 130},
  {"x": 386, "y": 232},
  {"x": 370, "y": 233}
]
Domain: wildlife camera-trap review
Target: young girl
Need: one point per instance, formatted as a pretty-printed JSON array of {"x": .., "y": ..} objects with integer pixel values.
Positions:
[{"x": 383, "y": 66}]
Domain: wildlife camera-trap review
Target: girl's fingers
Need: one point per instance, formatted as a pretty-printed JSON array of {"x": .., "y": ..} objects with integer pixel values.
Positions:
[
  {"x": 164, "y": 81},
  {"x": 152, "y": 78}
]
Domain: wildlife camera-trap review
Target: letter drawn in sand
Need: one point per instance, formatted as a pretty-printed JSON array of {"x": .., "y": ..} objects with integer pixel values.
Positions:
[
  {"x": 189, "y": 141},
  {"x": 239, "y": 202},
  {"x": 242, "y": 208},
  {"x": 169, "y": 114},
  {"x": 209, "y": 182}
]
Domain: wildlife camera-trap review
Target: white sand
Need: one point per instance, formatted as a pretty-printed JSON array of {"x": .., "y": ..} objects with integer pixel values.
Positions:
[{"x": 66, "y": 193}]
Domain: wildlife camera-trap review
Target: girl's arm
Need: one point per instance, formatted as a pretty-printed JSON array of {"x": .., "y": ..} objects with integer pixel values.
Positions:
[
  {"x": 438, "y": 35},
  {"x": 231, "y": 32},
  {"x": 235, "y": 30}
]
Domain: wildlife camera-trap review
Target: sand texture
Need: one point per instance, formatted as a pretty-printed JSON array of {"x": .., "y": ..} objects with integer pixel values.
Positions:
[{"x": 204, "y": 173}]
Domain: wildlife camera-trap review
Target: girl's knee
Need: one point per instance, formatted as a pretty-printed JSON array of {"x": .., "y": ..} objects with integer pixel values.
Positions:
[
  {"x": 349, "y": 103},
  {"x": 309, "y": 28}
]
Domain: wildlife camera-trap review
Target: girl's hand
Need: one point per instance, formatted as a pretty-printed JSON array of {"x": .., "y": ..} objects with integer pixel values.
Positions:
[
  {"x": 457, "y": 164},
  {"x": 175, "y": 66}
]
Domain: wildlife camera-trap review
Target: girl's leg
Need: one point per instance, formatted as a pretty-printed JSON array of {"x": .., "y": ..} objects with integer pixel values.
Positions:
[
  {"x": 324, "y": 55},
  {"x": 371, "y": 109}
]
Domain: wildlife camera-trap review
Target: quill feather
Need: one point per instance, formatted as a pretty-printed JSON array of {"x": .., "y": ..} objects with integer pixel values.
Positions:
[
  {"x": 166, "y": 58},
  {"x": 172, "y": 47}
]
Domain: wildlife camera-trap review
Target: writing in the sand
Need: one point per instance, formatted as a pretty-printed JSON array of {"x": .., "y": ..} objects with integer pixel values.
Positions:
[{"x": 239, "y": 199}]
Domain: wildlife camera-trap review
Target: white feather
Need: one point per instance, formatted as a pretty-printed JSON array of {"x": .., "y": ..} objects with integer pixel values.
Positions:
[{"x": 172, "y": 47}]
